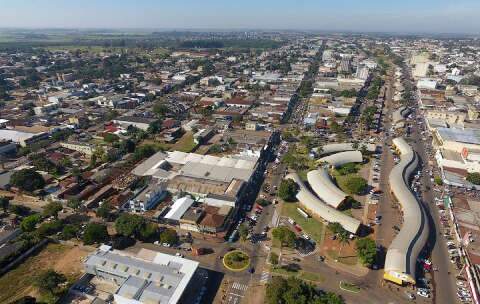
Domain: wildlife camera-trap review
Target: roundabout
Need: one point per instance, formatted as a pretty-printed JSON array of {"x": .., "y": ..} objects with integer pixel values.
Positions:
[{"x": 236, "y": 260}]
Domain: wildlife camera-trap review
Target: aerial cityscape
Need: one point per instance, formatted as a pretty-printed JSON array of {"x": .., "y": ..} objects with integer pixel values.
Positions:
[{"x": 239, "y": 153}]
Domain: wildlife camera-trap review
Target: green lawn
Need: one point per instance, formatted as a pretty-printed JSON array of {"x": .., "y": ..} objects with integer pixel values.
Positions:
[
  {"x": 301, "y": 274},
  {"x": 185, "y": 144},
  {"x": 347, "y": 260},
  {"x": 311, "y": 226}
]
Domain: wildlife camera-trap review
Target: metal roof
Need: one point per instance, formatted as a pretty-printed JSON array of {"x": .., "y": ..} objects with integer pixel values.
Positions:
[
  {"x": 314, "y": 205},
  {"x": 403, "y": 251},
  {"x": 342, "y": 158},
  {"x": 327, "y": 191}
]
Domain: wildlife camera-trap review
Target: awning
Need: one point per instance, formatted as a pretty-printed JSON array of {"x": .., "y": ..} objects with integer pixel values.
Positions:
[{"x": 393, "y": 279}]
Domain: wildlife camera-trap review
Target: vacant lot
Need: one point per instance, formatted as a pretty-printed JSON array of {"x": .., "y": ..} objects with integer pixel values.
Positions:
[
  {"x": 311, "y": 226},
  {"x": 62, "y": 258},
  {"x": 185, "y": 144}
]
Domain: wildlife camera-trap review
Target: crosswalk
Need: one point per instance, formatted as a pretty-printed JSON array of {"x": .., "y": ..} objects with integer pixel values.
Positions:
[
  {"x": 265, "y": 277},
  {"x": 239, "y": 286}
]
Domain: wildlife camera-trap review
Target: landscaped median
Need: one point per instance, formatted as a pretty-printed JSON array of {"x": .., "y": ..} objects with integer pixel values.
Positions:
[
  {"x": 236, "y": 260},
  {"x": 349, "y": 287}
]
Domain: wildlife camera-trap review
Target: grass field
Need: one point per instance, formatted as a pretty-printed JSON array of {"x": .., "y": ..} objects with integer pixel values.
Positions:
[
  {"x": 18, "y": 282},
  {"x": 301, "y": 274},
  {"x": 311, "y": 226},
  {"x": 347, "y": 260},
  {"x": 185, "y": 144}
]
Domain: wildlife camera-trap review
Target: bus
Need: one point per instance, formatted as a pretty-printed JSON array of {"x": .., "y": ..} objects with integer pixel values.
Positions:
[{"x": 303, "y": 213}]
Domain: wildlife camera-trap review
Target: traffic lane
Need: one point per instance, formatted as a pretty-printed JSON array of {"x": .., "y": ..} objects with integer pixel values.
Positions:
[{"x": 443, "y": 279}]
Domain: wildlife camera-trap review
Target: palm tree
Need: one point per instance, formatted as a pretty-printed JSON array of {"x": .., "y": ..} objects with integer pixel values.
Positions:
[{"x": 343, "y": 239}]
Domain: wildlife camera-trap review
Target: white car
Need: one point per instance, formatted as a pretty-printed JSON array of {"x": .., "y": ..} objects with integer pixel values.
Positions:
[{"x": 423, "y": 293}]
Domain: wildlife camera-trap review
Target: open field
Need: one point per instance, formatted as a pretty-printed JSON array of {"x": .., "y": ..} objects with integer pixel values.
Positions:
[
  {"x": 62, "y": 258},
  {"x": 185, "y": 144}
]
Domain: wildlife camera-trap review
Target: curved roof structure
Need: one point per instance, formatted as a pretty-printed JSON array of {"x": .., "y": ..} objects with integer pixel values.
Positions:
[
  {"x": 402, "y": 253},
  {"x": 341, "y": 147},
  {"x": 314, "y": 205},
  {"x": 327, "y": 191},
  {"x": 400, "y": 114},
  {"x": 342, "y": 158}
]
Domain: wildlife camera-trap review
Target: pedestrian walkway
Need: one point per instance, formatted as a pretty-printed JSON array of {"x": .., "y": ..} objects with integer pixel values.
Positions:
[
  {"x": 265, "y": 277},
  {"x": 239, "y": 286}
]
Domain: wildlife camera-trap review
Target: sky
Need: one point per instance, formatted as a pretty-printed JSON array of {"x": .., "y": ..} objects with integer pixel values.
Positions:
[{"x": 406, "y": 16}]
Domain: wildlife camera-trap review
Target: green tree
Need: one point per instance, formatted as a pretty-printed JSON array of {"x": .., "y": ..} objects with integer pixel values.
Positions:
[
  {"x": 143, "y": 151},
  {"x": 343, "y": 239},
  {"x": 28, "y": 223},
  {"x": 4, "y": 203},
  {"x": 168, "y": 236},
  {"x": 366, "y": 251},
  {"x": 335, "y": 228},
  {"x": 74, "y": 203},
  {"x": 160, "y": 109},
  {"x": 243, "y": 231},
  {"x": 49, "y": 281},
  {"x": 438, "y": 180},
  {"x": 129, "y": 224},
  {"x": 111, "y": 138},
  {"x": 273, "y": 258},
  {"x": 27, "y": 180},
  {"x": 103, "y": 211},
  {"x": 148, "y": 232},
  {"x": 286, "y": 236},
  {"x": 52, "y": 209},
  {"x": 348, "y": 168},
  {"x": 288, "y": 190},
  {"x": 127, "y": 146},
  {"x": 95, "y": 233},
  {"x": 474, "y": 178},
  {"x": 69, "y": 232}
]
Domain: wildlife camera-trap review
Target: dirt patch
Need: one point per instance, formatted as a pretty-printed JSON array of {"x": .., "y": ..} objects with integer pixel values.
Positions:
[{"x": 62, "y": 258}]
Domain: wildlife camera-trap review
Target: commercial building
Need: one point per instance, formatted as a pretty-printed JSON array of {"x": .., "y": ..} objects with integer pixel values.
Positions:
[
  {"x": 402, "y": 254},
  {"x": 24, "y": 139},
  {"x": 149, "y": 277}
]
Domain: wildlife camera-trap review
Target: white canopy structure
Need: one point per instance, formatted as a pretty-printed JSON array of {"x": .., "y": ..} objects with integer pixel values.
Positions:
[
  {"x": 327, "y": 191},
  {"x": 400, "y": 262},
  {"x": 338, "y": 159},
  {"x": 318, "y": 208}
]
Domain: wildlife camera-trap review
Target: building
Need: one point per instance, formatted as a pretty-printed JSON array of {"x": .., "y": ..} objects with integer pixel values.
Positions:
[
  {"x": 324, "y": 187},
  {"x": 149, "y": 277},
  {"x": 148, "y": 198},
  {"x": 457, "y": 140},
  {"x": 84, "y": 148},
  {"x": 141, "y": 123},
  {"x": 402, "y": 254},
  {"x": 341, "y": 158},
  {"x": 318, "y": 208},
  {"x": 24, "y": 139}
]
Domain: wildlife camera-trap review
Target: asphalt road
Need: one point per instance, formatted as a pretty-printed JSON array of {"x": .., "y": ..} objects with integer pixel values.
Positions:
[{"x": 444, "y": 283}]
